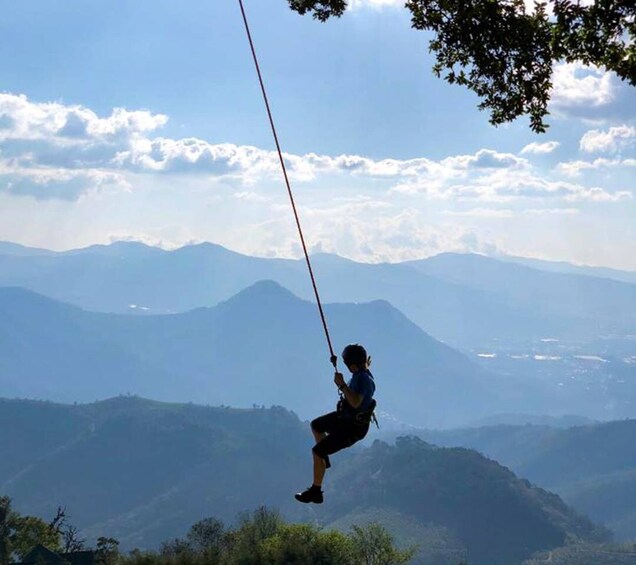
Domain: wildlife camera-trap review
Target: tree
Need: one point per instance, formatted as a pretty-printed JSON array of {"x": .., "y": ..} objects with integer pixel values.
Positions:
[
  {"x": 505, "y": 53},
  {"x": 20, "y": 534},
  {"x": 6, "y": 516},
  {"x": 29, "y": 531},
  {"x": 306, "y": 544},
  {"x": 375, "y": 546},
  {"x": 206, "y": 536},
  {"x": 71, "y": 540},
  {"x": 107, "y": 550}
]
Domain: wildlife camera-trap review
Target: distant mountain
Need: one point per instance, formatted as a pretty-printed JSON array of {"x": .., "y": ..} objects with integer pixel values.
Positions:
[
  {"x": 587, "y": 554},
  {"x": 568, "y": 268},
  {"x": 592, "y": 467},
  {"x": 129, "y": 277},
  {"x": 8, "y": 248},
  {"x": 564, "y": 296},
  {"x": 464, "y": 300},
  {"x": 144, "y": 471},
  {"x": 263, "y": 346},
  {"x": 515, "y": 419}
]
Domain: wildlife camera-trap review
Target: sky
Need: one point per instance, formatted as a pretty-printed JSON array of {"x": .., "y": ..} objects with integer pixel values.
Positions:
[{"x": 142, "y": 120}]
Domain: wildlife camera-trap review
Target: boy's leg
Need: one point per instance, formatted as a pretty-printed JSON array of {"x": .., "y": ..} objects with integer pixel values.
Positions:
[
  {"x": 320, "y": 466},
  {"x": 322, "y": 426}
]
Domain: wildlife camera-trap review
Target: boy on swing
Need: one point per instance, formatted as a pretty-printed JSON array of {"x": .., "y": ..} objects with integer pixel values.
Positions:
[{"x": 348, "y": 424}]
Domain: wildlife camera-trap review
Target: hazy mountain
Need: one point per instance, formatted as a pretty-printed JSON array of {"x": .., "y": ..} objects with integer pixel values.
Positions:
[
  {"x": 426, "y": 482},
  {"x": 263, "y": 346},
  {"x": 568, "y": 268},
  {"x": 587, "y": 554},
  {"x": 571, "y": 296},
  {"x": 516, "y": 419},
  {"x": 592, "y": 467},
  {"x": 127, "y": 277},
  {"x": 463, "y": 300},
  {"x": 8, "y": 248},
  {"x": 144, "y": 471}
]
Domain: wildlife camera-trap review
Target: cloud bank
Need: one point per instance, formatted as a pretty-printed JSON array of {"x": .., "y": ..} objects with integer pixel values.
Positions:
[{"x": 55, "y": 151}]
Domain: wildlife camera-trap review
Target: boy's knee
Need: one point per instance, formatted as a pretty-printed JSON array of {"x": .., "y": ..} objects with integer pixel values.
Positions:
[{"x": 318, "y": 451}]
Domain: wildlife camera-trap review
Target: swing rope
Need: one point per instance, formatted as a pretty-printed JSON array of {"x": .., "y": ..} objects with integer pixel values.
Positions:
[{"x": 333, "y": 357}]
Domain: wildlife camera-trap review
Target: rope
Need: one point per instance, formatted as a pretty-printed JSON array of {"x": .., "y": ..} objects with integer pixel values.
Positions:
[{"x": 333, "y": 357}]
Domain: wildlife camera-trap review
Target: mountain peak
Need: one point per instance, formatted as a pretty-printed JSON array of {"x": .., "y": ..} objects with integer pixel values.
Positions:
[
  {"x": 266, "y": 290},
  {"x": 205, "y": 247},
  {"x": 10, "y": 248},
  {"x": 116, "y": 248}
]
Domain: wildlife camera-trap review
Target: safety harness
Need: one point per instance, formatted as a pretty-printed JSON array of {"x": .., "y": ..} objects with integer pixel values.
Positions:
[{"x": 358, "y": 417}]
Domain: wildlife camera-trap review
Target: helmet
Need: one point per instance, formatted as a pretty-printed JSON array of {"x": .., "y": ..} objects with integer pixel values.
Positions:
[{"x": 354, "y": 354}]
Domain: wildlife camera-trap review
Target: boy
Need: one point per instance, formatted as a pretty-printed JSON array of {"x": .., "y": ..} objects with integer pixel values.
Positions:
[{"x": 348, "y": 424}]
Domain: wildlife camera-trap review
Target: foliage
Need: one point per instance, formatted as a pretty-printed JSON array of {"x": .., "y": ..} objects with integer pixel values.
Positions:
[
  {"x": 264, "y": 538},
  {"x": 107, "y": 550},
  {"x": 29, "y": 531},
  {"x": 505, "y": 53},
  {"x": 374, "y": 544},
  {"x": 20, "y": 534},
  {"x": 70, "y": 535},
  {"x": 6, "y": 516},
  {"x": 306, "y": 544}
]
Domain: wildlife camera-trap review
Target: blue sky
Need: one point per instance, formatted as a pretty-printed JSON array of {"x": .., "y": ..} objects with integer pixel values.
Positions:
[{"x": 142, "y": 120}]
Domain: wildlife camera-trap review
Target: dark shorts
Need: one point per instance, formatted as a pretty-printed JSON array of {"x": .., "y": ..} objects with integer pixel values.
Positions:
[{"x": 341, "y": 433}]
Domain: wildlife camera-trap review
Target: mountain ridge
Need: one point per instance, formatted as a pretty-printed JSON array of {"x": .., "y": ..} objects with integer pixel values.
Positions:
[
  {"x": 465, "y": 310},
  {"x": 143, "y": 471},
  {"x": 249, "y": 349}
]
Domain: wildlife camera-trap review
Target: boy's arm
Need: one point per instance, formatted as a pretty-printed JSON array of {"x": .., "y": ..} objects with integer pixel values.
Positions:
[{"x": 353, "y": 398}]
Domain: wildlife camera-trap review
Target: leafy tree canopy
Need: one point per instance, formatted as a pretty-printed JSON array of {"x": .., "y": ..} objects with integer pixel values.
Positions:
[
  {"x": 262, "y": 537},
  {"x": 505, "y": 53},
  {"x": 20, "y": 534}
]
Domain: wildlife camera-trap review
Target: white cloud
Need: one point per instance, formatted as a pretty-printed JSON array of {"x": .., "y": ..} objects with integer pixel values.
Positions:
[
  {"x": 596, "y": 141},
  {"x": 61, "y": 152},
  {"x": 551, "y": 212},
  {"x": 486, "y": 159},
  {"x": 540, "y": 148},
  {"x": 365, "y": 230},
  {"x": 506, "y": 186},
  {"x": 575, "y": 168},
  {"x": 575, "y": 84},
  {"x": 505, "y": 213},
  {"x": 490, "y": 213},
  {"x": 25, "y": 120},
  {"x": 355, "y": 4}
]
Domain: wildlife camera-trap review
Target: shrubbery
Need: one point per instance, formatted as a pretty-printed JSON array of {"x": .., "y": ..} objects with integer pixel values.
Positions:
[{"x": 259, "y": 538}]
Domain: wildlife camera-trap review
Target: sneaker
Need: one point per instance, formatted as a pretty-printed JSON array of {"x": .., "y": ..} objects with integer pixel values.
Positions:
[{"x": 312, "y": 494}]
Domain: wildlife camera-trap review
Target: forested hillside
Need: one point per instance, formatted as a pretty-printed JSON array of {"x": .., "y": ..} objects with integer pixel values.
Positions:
[
  {"x": 143, "y": 472},
  {"x": 592, "y": 467}
]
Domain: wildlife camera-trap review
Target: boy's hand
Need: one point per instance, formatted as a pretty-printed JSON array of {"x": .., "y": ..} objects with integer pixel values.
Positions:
[{"x": 339, "y": 380}]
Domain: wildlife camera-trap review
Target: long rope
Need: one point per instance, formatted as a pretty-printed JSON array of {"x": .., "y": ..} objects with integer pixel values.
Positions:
[{"x": 333, "y": 358}]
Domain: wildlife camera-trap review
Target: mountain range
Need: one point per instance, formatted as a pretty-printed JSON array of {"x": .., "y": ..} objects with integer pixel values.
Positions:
[
  {"x": 143, "y": 472},
  {"x": 264, "y": 346},
  {"x": 464, "y": 300}
]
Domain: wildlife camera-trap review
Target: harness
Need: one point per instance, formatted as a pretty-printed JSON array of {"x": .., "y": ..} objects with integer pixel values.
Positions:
[{"x": 358, "y": 417}]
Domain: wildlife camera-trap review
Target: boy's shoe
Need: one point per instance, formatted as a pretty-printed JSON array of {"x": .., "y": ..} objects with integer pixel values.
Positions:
[{"x": 312, "y": 494}]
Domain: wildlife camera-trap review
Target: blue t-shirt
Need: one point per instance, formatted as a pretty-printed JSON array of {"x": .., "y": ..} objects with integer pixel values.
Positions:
[{"x": 362, "y": 383}]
